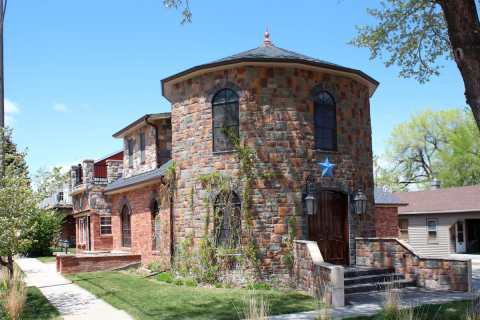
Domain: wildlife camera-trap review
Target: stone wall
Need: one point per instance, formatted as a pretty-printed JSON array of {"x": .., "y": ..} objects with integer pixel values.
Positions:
[
  {"x": 89, "y": 263},
  {"x": 316, "y": 277},
  {"x": 114, "y": 170},
  {"x": 276, "y": 120},
  {"x": 150, "y": 162},
  {"x": 386, "y": 221},
  {"x": 139, "y": 202},
  {"x": 428, "y": 272}
]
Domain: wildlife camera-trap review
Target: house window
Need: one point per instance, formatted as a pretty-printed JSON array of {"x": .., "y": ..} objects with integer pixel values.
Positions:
[
  {"x": 60, "y": 197},
  {"x": 460, "y": 233},
  {"x": 130, "y": 152},
  {"x": 403, "y": 229},
  {"x": 142, "y": 147},
  {"x": 432, "y": 226},
  {"x": 126, "y": 227},
  {"x": 156, "y": 230},
  {"x": 105, "y": 225},
  {"x": 325, "y": 120},
  {"x": 225, "y": 116},
  {"x": 227, "y": 221}
]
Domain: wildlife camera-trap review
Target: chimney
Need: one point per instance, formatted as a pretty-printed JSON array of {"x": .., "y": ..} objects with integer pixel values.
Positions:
[{"x": 435, "y": 184}]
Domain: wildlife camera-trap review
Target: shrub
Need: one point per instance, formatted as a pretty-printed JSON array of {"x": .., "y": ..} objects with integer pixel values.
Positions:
[
  {"x": 155, "y": 266},
  {"x": 44, "y": 232},
  {"x": 190, "y": 282},
  {"x": 165, "y": 277},
  {"x": 259, "y": 286}
]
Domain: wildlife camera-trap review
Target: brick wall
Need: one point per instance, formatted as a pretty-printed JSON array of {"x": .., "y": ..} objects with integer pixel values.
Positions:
[
  {"x": 276, "y": 120},
  {"x": 99, "y": 242},
  {"x": 139, "y": 201},
  {"x": 429, "y": 272},
  {"x": 89, "y": 263},
  {"x": 386, "y": 221}
]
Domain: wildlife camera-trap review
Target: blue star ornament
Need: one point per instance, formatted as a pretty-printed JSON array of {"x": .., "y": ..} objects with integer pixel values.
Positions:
[{"x": 327, "y": 168}]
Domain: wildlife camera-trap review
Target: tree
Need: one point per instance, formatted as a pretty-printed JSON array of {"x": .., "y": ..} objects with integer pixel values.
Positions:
[
  {"x": 48, "y": 182},
  {"x": 415, "y": 34},
  {"x": 432, "y": 144},
  {"x": 18, "y": 205}
]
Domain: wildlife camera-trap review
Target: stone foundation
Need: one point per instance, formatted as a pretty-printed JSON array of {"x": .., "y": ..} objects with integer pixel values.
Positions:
[
  {"x": 95, "y": 262},
  {"x": 428, "y": 272}
]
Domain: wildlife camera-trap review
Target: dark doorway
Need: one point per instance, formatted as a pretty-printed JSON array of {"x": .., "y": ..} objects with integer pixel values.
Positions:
[
  {"x": 473, "y": 235},
  {"x": 329, "y": 226},
  {"x": 126, "y": 227}
]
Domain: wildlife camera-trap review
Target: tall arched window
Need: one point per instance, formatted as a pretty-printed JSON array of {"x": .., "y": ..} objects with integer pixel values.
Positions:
[
  {"x": 126, "y": 227},
  {"x": 156, "y": 230},
  {"x": 227, "y": 220},
  {"x": 325, "y": 121},
  {"x": 225, "y": 119}
]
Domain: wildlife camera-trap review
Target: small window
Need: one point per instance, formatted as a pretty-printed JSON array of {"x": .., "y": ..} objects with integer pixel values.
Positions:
[
  {"x": 432, "y": 226},
  {"x": 60, "y": 197},
  {"x": 325, "y": 120},
  {"x": 105, "y": 225},
  {"x": 460, "y": 233},
  {"x": 403, "y": 229},
  {"x": 130, "y": 152},
  {"x": 142, "y": 147},
  {"x": 227, "y": 221},
  {"x": 225, "y": 115},
  {"x": 156, "y": 228}
]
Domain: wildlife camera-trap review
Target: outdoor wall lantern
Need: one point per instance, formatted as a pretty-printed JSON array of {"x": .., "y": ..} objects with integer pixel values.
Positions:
[
  {"x": 310, "y": 199},
  {"x": 360, "y": 202}
]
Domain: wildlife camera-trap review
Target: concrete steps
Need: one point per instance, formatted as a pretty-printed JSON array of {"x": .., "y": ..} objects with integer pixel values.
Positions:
[{"x": 360, "y": 280}]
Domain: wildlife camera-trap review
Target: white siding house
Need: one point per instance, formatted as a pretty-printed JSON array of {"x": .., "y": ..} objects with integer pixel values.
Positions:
[{"x": 443, "y": 221}]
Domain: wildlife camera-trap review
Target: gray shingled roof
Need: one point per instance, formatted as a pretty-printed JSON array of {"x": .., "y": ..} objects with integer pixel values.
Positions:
[
  {"x": 271, "y": 53},
  {"x": 384, "y": 197},
  {"x": 137, "y": 179}
]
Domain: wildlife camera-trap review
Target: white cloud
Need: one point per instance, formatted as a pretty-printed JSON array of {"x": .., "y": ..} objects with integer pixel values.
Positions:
[
  {"x": 10, "y": 109},
  {"x": 60, "y": 107}
]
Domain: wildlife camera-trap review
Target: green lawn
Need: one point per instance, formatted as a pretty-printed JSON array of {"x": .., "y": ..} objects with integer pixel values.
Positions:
[
  {"x": 450, "y": 311},
  {"x": 149, "y": 299},
  {"x": 37, "y": 307},
  {"x": 52, "y": 258}
]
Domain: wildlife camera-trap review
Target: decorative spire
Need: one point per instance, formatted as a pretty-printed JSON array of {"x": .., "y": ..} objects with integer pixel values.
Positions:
[{"x": 266, "y": 39}]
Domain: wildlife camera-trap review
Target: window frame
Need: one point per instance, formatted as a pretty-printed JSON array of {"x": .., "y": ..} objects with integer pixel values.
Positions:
[
  {"x": 156, "y": 226},
  {"x": 431, "y": 239},
  {"x": 318, "y": 105},
  {"x": 105, "y": 225},
  {"x": 142, "y": 142},
  {"x": 126, "y": 213},
  {"x": 219, "y": 222},
  {"x": 130, "y": 152},
  {"x": 403, "y": 231},
  {"x": 227, "y": 123}
]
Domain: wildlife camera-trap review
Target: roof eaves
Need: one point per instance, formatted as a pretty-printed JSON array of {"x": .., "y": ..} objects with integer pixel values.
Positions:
[{"x": 153, "y": 116}]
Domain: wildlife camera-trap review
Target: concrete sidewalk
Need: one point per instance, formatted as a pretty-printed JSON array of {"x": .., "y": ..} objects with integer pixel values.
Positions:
[
  {"x": 367, "y": 304},
  {"x": 73, "y": 302}
]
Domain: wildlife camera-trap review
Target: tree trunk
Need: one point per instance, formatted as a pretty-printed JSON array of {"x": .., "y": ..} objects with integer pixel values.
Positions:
[
  {"x": 10, "y": 266},
  {"x": 464, "y": 34}
]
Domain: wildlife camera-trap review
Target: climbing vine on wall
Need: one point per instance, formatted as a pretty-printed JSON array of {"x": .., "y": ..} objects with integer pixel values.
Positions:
[{"x": 168, "y": 187}]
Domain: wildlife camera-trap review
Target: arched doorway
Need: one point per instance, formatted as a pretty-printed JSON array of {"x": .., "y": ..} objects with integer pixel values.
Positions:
[
  {"x": 126, "y": 227},
  {"x": 329, "y": 226}
]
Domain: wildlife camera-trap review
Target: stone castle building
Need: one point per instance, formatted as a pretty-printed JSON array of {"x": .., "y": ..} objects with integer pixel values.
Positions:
[{"x": 259, "y": 147}]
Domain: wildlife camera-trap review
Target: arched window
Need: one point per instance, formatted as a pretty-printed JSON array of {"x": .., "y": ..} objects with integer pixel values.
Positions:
[
  {"x": 126, "y": 227},
  {"x": 225, "y": 119},
  {"x": 325, "y": 121},
  {"x": 156, "y": 230},
  {"x": 227, "y": 220}
]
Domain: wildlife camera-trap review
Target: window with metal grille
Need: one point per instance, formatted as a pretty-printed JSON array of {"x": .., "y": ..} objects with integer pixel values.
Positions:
[
  {"x": 60, "y": 197},
  {"x": 156, "y": 228},
  {"x": 142, "y": 147},
  {"x": 227, "y": 220},
  {"x": 126, "y": 227},
  {"x": 105, "y": 225},
  {"x": 225, "y": 115},
  {"x": 325, "y": 119}
]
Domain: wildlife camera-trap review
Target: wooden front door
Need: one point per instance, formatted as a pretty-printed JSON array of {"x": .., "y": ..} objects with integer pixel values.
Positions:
[{"x": 329, "y": 226}]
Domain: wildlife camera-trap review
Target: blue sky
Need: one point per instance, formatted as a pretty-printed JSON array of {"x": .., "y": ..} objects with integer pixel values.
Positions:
[{"x": 77, "y": 71}]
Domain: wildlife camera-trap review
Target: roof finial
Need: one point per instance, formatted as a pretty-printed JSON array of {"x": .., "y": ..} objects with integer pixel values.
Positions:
[{"x": 266, "y": 39}]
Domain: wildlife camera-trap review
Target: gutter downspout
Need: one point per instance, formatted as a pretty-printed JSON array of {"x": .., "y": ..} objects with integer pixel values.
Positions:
[{"x": 157, "y": 160}]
